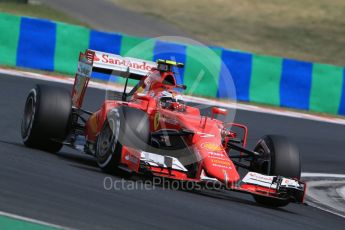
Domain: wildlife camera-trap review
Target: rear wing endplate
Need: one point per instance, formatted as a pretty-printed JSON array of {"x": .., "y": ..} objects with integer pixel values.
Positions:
[{"x": 100, "y": 62}]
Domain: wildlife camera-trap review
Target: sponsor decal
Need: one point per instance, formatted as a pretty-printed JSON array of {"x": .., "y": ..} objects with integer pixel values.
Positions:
[
  {"x": 152, "y": 77},
  {"x": 81, "y": 79},
  {"x": 80, "y": 83},
  {"x": 261, "y": 177},
  {"x": 114, "y": 60},
  {"x": 156, "y": 121},
  {"x": 148, "y": 80},
  {"x": 96, "y": 59},
  {"x": 205, "y": 134},
  {"x": 290, "y": 183},
  {"x": 212, "y": 147},
  {"x": 221, "y": 166},
  {"x": 93, "y": 123},
  {"x": 218, "y": 158},
  {"x": 222, "y": 162},
  {"x": 216, "y": 154},
  {"x": 84, "y": 69},
  {"x": 132, "y": 159}
]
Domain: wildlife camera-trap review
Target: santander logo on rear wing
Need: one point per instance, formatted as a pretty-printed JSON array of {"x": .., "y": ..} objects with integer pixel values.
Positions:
[
  {"x": 96, "y": 61},
  {"x": 120, "y": 64}
]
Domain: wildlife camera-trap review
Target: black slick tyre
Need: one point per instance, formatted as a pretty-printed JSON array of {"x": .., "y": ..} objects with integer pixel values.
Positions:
[
  {"x": 46, "y": 118},
  {"x": 282, "y": 159}
]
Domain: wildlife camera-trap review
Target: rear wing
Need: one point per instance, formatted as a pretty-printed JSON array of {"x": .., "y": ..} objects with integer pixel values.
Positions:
[{"x": 100, "y": 62}]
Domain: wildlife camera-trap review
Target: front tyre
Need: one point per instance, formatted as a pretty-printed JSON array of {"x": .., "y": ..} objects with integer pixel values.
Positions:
[
  {"x": 46, "y": 117},
  {"x": 280, "y": 157}
]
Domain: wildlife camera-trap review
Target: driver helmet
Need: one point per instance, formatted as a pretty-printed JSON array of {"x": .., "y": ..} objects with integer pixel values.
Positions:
[{"x": 171, "y": 100}]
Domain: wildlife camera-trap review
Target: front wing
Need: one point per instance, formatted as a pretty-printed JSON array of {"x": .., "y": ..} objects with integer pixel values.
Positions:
[{"x": 277, "y": 187}]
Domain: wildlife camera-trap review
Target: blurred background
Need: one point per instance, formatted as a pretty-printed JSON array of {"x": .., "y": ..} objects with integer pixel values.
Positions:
[{"x": 310, "y": 30}]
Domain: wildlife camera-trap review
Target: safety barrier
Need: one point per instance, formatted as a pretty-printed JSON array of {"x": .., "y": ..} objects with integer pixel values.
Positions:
[{"x": 54, "y": 46}]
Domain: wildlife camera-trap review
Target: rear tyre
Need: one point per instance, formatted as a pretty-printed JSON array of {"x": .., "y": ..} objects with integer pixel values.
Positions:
[
  {"x": 279, "y": 157},
  {"x": 46, "y": 117},
  {"x": 124, "y": 126}
]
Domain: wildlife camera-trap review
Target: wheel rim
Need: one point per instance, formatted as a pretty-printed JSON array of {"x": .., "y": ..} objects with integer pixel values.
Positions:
[
  {"x": 29, "y": 113},
  {"x": 104, "y": 142},
  {"x": 263, "y": 163}
]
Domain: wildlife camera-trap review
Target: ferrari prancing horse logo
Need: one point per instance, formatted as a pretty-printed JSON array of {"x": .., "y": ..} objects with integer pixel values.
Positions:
[{"x": 156, "y": 121}]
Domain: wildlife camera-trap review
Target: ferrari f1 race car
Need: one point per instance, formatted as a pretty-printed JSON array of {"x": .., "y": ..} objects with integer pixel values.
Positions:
[{"x": 151, "y": 130}]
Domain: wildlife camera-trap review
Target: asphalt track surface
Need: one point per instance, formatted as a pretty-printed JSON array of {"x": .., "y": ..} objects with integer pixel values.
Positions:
[{"x": 67, "y": 188}]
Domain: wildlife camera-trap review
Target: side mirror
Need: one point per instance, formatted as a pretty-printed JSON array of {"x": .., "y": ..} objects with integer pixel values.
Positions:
[
  {"x": 184, "y": 87},
  {"x": 220, "y": 111},
  {"x": 180, "y": 65}
]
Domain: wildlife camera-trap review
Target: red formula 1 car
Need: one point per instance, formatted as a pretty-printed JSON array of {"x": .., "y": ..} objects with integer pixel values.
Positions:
[{"x": 152, "y": 130}]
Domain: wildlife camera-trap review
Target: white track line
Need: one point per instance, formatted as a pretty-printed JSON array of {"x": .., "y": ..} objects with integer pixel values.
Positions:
[
  {"x": 341, "y": 192},
  {"x": 326, "y": 210},
  {"x": 211, "y": 102},
  {"x": 322, "y": 175},
  {"x": 317, "y": 179},
  {"x": 17, "y": 217}
]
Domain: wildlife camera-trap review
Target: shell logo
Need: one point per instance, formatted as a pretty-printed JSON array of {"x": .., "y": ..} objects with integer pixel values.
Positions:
[
  {"x": 212, "y": 147},
  {"x": 93, "y": 123}
]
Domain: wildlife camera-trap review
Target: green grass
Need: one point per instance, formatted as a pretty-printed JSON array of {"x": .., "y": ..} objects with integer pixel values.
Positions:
[
  {"x": 36, "y": 10},
  {"x": 311, "y": 30},
  {"x": 13, "y": 223}
]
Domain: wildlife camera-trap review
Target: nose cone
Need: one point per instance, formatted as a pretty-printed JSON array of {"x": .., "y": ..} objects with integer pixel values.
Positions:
[{"x": 217, "y": 164}]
